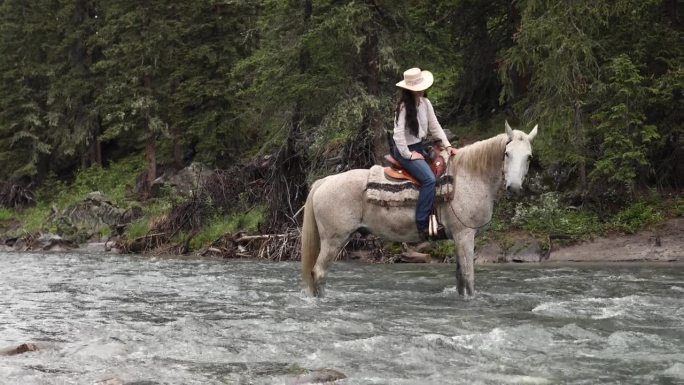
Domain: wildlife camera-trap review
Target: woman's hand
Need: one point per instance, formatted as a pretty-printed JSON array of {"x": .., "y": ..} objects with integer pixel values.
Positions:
[
  {"x": 451, "y": 150},
  {"x": 416, "y": 155}
]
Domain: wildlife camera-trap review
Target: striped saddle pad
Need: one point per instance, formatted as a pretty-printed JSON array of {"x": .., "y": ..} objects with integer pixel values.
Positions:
[{"x": 383, "y": 191}]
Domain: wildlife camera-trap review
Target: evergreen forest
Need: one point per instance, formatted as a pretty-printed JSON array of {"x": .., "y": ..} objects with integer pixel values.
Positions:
[{"x": 273, "y": 94}]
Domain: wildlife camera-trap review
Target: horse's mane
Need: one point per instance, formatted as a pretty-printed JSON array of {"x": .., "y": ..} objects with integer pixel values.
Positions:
[{"x": 481, "y": 157}]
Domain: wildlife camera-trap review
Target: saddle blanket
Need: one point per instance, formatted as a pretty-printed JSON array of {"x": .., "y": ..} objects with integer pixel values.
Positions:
[{"x": 391, "y": 192}]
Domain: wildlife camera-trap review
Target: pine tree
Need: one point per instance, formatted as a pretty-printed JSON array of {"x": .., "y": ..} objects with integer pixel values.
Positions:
[{"x": 25, "y": 40}]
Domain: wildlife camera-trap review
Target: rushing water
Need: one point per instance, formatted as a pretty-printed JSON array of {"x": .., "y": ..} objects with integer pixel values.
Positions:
[{"x": 150, "y": 321}]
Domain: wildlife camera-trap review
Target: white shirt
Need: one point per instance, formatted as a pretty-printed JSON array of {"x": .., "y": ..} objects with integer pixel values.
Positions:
[{"x": 427, "y": 122}]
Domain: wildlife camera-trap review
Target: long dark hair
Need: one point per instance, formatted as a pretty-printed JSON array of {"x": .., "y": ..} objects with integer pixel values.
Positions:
[{"x": 406, "y": 98}]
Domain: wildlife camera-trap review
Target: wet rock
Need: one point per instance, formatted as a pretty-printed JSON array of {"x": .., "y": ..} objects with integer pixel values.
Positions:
[
  {"x": 320, "y": 376},
  {"x": 110, "y": 381},
  {"x": 94, "y": 247},
  {"x": 129, "y": 215},
  {"x": 52, "y": 242},
  {"x": 412, "y": 256},
  {"x": 82, "y": 221},
  {"x": 23, "y": 348},
  {"x": 490, "y": 252},
  {"x": 94, "y": 212},
  {"x": 518, "y": 248},
  {"x": 525, "y": 250},
  {"x": 183, "y": 182}
]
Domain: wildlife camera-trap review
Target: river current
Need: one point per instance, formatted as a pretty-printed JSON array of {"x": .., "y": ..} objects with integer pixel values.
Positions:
[{"x": 143, "y": 321}]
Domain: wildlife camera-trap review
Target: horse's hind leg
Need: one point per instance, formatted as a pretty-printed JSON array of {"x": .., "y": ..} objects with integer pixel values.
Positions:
[{"x": 329, "y": 250}]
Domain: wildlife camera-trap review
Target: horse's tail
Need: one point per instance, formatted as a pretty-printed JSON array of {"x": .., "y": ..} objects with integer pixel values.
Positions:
[{"x": 311, "y": 242}]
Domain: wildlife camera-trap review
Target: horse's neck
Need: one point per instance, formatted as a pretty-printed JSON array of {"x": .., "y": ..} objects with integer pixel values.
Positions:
[{"x": 482, "y": 162}]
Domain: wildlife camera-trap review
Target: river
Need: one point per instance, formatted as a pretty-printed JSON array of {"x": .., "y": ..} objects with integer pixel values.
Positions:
[{"x": 144, "y": 321}]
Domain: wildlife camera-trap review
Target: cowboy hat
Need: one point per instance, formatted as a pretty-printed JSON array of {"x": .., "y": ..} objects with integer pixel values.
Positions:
[{"x": 416, "y": 80}]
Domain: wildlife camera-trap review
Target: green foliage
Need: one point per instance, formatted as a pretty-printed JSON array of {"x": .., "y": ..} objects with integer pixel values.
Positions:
[
  {"x": 443, "y": 250},
  {"x": 677, "y": 208},
  {"x": 392, "y": 248},
  {"x": 35, "y": 218},
  {"x": 137, "y": 229},
  {"x": 547, "y": 216},
  {"x": 212, "y": 231},
  {"x": 113, "y": 181},
  {"x": 220, "y": 225},
  {"x": 637, "y": 216},
  {"x": 311, "y": 83},
  {"x": 622, "y": 132},
  {"x": 6, "y": 214},
  {"x": 598, "y": 119}
]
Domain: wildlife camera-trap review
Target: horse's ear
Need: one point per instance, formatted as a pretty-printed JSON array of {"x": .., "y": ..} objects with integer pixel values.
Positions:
[
  {"x": 509, "y": 131},
  {"x": 532, "y": 133}
]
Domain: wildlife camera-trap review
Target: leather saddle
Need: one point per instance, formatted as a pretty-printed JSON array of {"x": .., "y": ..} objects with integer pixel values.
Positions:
[{"x": 434, "y": 159}]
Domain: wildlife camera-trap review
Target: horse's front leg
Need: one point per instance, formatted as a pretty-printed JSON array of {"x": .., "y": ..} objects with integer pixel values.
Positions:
[{"x": 465, "y": 269}]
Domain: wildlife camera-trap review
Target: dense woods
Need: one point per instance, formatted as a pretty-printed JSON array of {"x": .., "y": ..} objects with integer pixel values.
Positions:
[{"x": 309, "y": 85}]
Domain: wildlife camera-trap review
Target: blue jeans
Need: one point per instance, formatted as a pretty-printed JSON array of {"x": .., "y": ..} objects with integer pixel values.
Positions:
[{"x": 420, "y": 170}]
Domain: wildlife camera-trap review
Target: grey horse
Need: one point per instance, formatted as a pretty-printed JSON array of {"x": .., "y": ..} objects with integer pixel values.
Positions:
[{"x": 336, "y": 207}]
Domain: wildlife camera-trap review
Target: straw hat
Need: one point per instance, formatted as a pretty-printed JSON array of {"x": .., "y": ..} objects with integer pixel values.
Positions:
[{"x": 416, "y": 80}]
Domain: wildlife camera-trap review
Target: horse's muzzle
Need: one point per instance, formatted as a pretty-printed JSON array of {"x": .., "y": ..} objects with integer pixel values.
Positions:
[{"x": 513, "y": 189}]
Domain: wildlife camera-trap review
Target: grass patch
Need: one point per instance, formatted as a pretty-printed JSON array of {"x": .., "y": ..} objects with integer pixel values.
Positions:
[
  {"x": 34, "y": 218},
  {"x": 219, "y": 226},
  {"x": 137, "y": 229},
  {"x": 392, "y": 248},
  {"x": 214, "y": 230},
  {"x": 6, "y": 214},
  {"x": 114, "y": 181}
]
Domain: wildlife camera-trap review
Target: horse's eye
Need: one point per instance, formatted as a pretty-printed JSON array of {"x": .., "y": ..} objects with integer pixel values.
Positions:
[{"x": 506, "y": 154}]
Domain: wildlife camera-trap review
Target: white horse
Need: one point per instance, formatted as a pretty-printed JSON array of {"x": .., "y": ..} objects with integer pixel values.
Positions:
[{"x": 337, "y": 207}]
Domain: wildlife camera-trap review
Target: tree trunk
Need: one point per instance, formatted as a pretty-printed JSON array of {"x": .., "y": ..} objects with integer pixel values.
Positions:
[
  {"x": 177, "y": 149},
  {"x": 579, "y": 145},
  {"x": 288, "y": 189},
  {"x": 379, "y": 143},
  {"x": 150, "y": 164}
]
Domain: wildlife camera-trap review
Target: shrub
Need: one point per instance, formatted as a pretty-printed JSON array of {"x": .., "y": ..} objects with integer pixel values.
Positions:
[
  {"x": 112, "y": 181},
  {"x": 636, "y": 216},
  {"x": 547, "y": 216}
]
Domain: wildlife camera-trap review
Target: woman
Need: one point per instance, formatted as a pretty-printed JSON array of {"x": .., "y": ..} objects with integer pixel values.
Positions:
[{"x": 414, "y": 119}]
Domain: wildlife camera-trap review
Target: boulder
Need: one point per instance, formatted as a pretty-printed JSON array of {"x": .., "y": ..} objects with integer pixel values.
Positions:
[
  {"x": 51, "y": 242},
  {"x": 525, "y": 250},
  {"x": 183, "y": 182},
  {"x": 320, "y": 376},
  {"x": 94, "y": 212},
  {"x": 517, "y": 248},
  {"x": 23, "y": 348},
  {"x": 110, "y": 381},
  {"x": 490, "y": 252}
]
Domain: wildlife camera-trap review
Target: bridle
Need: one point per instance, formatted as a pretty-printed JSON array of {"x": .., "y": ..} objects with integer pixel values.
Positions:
[{"x": 503, "y": 177}]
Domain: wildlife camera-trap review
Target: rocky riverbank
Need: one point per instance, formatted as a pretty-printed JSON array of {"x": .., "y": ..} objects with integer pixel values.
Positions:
[
  {"x": 662, "y": 243},
  {"x": 96, "y": 224}
]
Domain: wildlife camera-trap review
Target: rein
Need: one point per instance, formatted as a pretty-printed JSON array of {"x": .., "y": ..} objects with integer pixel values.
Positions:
[{"x": 452, "y": 207}]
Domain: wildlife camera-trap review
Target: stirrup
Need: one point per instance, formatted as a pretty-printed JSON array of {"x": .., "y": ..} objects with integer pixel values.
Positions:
[{"x": 436, "y": 230}]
